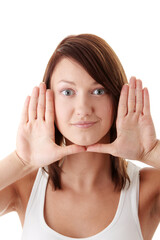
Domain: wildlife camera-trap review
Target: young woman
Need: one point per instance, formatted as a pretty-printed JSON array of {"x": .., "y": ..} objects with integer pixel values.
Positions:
[{"x": 68, "y": 177}]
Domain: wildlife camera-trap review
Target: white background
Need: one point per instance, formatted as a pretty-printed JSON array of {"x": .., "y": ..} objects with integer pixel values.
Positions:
[{"x": 30, "y": 31}]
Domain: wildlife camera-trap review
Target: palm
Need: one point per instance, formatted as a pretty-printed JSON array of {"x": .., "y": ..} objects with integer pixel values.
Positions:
[
  {"x": 135, "y": 136},
  {"x": 34, "y": 141}
]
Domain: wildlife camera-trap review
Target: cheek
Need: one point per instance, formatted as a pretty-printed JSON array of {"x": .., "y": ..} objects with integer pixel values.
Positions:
[
  {"x": 107, "y": 115},
  {"x": 106, "y": 109}
]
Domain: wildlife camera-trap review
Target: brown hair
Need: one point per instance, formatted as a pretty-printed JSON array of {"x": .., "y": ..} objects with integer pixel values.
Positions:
[{"x": 102, "y": 64}]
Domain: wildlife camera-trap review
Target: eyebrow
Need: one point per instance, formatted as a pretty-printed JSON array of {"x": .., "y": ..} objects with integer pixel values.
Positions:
[{"x": 73, "y": 83}]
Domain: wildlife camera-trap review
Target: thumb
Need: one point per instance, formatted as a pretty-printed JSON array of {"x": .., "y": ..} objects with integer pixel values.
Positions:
[
  {"x": 101, "y": 148},
  {"x": 72, "y": 149}
]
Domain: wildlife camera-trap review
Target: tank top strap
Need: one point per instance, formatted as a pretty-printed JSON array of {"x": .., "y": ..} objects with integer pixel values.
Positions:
[
  {"x": 133, "y": 192},
  {"x": 38, "y": 191}
]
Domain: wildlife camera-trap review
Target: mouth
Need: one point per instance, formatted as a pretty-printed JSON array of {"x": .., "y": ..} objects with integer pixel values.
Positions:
[{"x": 84, "y": 124}]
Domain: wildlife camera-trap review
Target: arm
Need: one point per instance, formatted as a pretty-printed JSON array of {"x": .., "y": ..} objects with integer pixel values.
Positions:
[
  {"x": 35, "y": 146},
  {"x": 11, "y": 170},
  {"x": 136, "y": 137}
]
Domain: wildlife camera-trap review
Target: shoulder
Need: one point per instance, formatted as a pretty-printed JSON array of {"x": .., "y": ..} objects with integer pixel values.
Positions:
[
  {"x": 150, "y": 189},
  {"x": 151, "y": 178}
]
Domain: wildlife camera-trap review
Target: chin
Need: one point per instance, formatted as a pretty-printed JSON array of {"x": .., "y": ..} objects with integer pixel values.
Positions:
[
  {"x": 87, "y": 140},
  {"x": 84, "y": 142}
]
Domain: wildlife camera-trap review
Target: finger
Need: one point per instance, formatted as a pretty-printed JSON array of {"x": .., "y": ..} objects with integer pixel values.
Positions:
[
  {"x": 33, "y": 104},
  {"x": 123, "y": 100},
  {"x": 102, "y": 148},
  {"x": 24, "y": 116},
  {"x": 49, "y": 114},
  {"x": 131, "y": 95},
  {"x": 139, "y": 102},
  {"x": 146, "y": 107},
  {"x": 41, "y": 101}
]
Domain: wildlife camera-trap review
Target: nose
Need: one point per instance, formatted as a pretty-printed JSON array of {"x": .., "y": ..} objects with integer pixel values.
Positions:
[{"x": 83, "y": 106}]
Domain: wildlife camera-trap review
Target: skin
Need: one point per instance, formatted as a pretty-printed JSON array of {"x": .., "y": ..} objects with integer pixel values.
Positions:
[
  {"x": 134, "y": 127},
  {"x": 84, "y": 184},
  {"x": 85, "y": 102}
]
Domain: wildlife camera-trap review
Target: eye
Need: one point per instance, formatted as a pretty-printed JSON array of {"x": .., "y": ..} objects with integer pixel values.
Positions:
[
  {"x": 67, "y": 92},
  {"x": 100, "y": 91}
]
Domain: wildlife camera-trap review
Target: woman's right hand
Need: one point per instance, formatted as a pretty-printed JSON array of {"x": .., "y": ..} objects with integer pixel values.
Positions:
[{"x": 35, "y": 143}]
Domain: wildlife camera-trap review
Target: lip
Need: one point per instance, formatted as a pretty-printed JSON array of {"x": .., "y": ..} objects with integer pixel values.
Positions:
[{"x": 84, "y": 124}]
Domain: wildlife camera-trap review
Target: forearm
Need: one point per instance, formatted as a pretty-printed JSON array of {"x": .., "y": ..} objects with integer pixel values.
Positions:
[
  {"x": 12, "y": 169},
  {"x": 153, "y": 158}
]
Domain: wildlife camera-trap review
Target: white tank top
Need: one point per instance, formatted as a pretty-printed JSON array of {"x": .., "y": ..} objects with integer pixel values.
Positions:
[{"x": 125, "y": 224}]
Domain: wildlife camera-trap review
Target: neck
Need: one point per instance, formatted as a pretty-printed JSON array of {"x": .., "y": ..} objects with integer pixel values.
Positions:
[{"x": 86, "y": 171}]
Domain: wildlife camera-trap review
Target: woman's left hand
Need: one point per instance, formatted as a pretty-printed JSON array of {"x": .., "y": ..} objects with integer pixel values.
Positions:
[{"x": 136, "y": 135}]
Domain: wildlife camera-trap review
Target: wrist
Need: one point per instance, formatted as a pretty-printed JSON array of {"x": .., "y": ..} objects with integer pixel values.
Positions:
[
  {"x": 152, "y": 158},
  {"x": 23, "y": 163}
]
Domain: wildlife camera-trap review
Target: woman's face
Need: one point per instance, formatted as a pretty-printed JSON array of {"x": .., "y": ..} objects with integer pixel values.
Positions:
[{"x": 83, "y": 109}]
